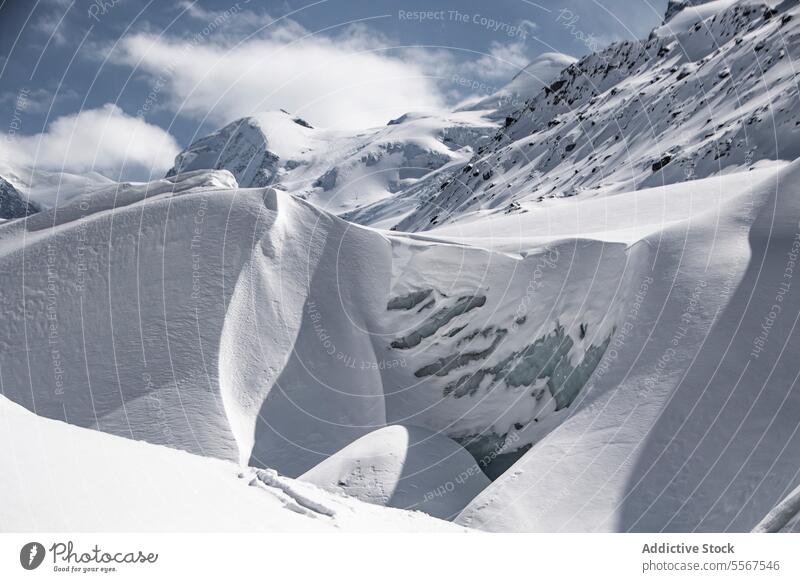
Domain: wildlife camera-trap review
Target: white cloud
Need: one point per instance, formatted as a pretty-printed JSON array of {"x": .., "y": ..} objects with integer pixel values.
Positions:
[
  {"x": 104, "y": 140},
  {"x": 349, "y": 80},
  {"x": 502, "y": 62}
]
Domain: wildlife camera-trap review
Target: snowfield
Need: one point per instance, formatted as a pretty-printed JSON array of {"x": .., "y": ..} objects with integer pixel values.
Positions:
[
  {"x": 579, "y": 314},
  {"x": 68, "y": 479}
]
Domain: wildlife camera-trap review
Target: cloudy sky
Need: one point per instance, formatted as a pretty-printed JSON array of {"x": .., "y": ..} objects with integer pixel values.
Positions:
[{"x": 119, "y": 86}]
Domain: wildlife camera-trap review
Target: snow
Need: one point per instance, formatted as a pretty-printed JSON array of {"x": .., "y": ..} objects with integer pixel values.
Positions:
[
  {"x": 689, "y": 426},
  {"x": 714, "y": 99},
  {"x": 247, "y": 325},
  {"x": 624, "y": 218},
  {"x": 538, "y": 74},
  {"x": 148, "y": 294},
  {"x": 592, "y": 305},
  {"x": 45, "y": 188},
  {"x": 58, "y": 477},
  {"x": 338, "y": 170},
  {"x": 696, "y": 11},
  {"x": 404, "y": 467},
  {"x": 782, "y": 516},
  {"x": 14, "y": 204},
  {"x": 524, "y": 86}
]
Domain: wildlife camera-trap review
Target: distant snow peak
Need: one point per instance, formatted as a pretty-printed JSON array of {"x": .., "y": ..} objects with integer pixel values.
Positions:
[{"x": 336, "y": 169}]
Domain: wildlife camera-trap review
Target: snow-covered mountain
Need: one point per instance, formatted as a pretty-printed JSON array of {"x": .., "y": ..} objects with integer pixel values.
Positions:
[
  {"x": 373, "y": 176},
  {"x": 711, "y": 91},
  {"x": 338, "y": 170},
  {"x": 595, "y": 332}
]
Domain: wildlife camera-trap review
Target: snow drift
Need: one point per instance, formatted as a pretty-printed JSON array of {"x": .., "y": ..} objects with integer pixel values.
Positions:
[
  {"x": 404, "y": 467},
  {"x": 247, "y": 325},
  {"x": 688, "y": 423},
  {"x": 63, "y": 478}
]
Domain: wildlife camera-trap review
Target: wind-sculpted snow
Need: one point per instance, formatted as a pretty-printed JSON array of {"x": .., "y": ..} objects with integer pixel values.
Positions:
[
  {"x": 689, "y": 421},
  {"x": 601, "y": 315},
  {"x": 246, "y": 325},
  {"x": 64, "y": 478},
  {"x": 403, "y": 467}
]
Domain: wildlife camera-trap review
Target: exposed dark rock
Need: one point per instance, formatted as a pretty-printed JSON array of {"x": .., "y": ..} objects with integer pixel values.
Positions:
[{"x": 13, "y": 204}]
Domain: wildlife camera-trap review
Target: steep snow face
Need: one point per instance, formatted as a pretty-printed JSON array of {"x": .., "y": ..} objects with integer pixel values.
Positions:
[
  {"x": 337, "y": 170},
  {"x": 247, "y": 325},
  {"x": 684, "y": 104},
  {"x": 58, "y": 477},
  {"x": 403, "y": 467},
  {"x": 493, "y": 356},
  {"x": 689, "y": 421},
  {"x": 167, "y": 311}
]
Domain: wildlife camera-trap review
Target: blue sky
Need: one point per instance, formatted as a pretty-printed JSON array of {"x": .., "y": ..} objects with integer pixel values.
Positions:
[{"x": 164, "y": 73}]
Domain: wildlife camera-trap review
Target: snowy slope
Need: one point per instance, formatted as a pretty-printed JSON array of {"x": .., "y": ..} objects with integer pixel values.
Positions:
[
  {"x": 336, "y": 169},
  {"x": 718, "y": 96},
  {"x": 404, "y": 467},
  {"x": 525, "y": 85},
  {"x": 498, "y": 106},
  {"x": 133, "y": 312},
  {"x": 689, "y": 421},
  {"x": 315, "y": 333},
  {"x": 248, "y": 325},
  {"x": 601, "y": 310},
  {"x": 58, "y": 477},
  {"x": 682, "y": 14}
]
